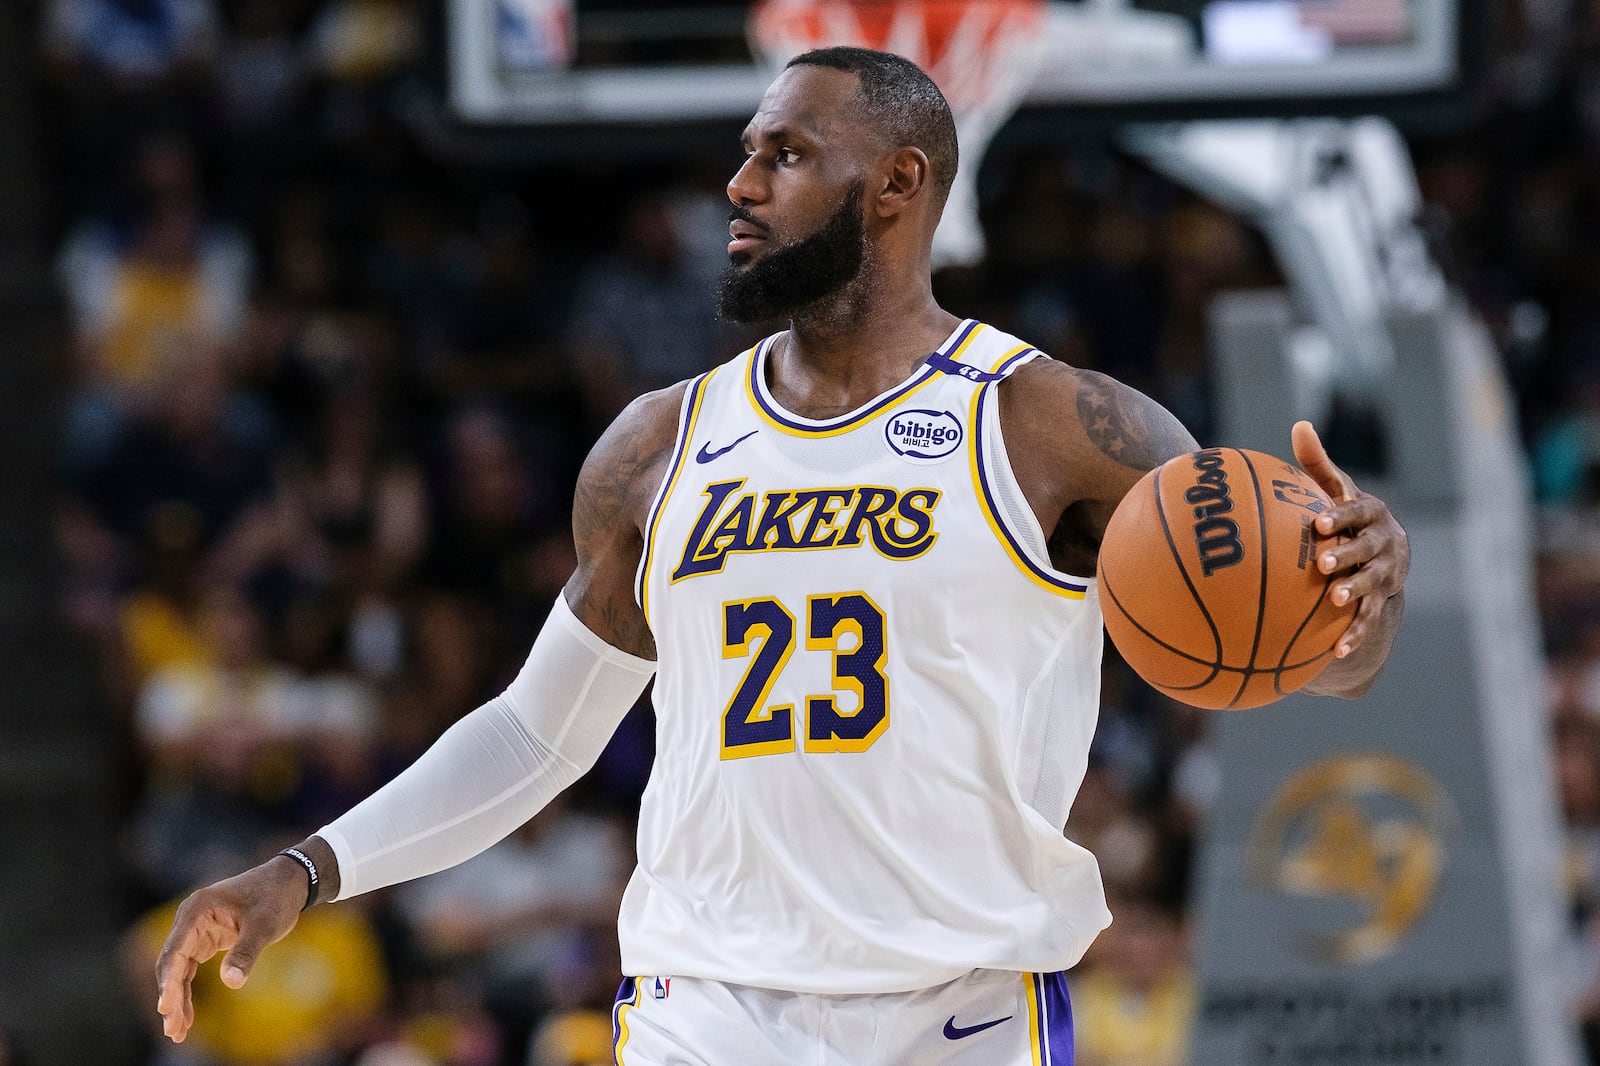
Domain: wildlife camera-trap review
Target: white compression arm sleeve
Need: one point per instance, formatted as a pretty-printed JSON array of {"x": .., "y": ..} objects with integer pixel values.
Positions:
[{"x": 495, "y": 768}]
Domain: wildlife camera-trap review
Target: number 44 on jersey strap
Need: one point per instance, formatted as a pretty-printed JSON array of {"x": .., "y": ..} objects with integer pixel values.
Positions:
[{"x": 751, "y": 727}]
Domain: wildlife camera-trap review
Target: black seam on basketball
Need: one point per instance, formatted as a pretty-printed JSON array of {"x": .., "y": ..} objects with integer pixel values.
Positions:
[
  {"x": 1303, "y": 663},
  {"x": 1261, "y": 598},
  {"x": 1277, "y": 674},
  {"x": 1243, "y": 670},
  {"x": 1105, "y": 585},
  {"x": 1194, "y": 593},
  {"x": 1229, "y": 706}
]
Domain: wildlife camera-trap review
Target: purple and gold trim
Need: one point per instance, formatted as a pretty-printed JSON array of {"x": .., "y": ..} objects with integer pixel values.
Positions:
[
  {"x": 1049, "y": 1019},
  {"x": 1055, "y": 581},
  {"x": 691, "y": 415},
  {"x": 627, "y": 999},
  {"x": 778, "y": 418}
]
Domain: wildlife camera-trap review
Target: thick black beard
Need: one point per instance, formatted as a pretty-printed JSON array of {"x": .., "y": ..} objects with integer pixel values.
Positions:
[{"x": 795, "y": 276}]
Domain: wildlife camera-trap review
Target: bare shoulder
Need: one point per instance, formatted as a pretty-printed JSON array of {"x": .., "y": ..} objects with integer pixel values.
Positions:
[
  {"x": 609, "y": 509},
  {"x": 1095, "y": 431},
  {"x": 625, "y": 464},
  {"x": 1078, "y": 440}
]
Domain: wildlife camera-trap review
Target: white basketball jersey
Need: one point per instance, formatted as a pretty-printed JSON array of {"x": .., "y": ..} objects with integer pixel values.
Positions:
[{"x": 874, "y": 698}]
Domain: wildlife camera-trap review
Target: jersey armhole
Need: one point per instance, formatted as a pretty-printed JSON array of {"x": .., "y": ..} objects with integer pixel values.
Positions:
[
  {"x": 1004, "y": 506},
  {"x": 689, "y": 414}
]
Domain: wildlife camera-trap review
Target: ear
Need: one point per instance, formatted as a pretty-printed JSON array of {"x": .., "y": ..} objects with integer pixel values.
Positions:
[{"x": 906, "y": 177}]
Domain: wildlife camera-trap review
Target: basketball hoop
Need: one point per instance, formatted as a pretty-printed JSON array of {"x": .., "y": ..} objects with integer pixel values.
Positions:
[{"x": 983, "y": 55}]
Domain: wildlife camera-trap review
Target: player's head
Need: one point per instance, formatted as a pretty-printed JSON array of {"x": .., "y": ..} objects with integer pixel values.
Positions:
[
  {"x": 849, "y": 161},
  {"x": 900, "y": 104}
]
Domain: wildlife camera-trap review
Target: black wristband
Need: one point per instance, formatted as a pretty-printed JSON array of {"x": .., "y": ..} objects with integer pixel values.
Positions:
[{"x": 315, "y": 882}]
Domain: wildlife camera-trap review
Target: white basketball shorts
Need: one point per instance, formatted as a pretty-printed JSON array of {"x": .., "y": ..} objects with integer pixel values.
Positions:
[{"x": 986, "y": 1018}]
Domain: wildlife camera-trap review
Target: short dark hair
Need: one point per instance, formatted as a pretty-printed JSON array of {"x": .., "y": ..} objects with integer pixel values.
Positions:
[{"x": 907, "y": 106}]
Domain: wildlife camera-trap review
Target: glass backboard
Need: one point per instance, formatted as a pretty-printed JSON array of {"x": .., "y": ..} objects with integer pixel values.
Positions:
[{"x": 552, "y": 63}]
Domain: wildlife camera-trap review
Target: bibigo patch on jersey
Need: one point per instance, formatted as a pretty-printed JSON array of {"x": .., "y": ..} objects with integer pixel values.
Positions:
[{"x": 923, "y": 436}]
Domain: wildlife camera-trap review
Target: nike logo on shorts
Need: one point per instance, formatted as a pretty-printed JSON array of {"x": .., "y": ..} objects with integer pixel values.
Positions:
[
  {"x": 951, "y": 1032},
  {"x": 706, "y": 455}
]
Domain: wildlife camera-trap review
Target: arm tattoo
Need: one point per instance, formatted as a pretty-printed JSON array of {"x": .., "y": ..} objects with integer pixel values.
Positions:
[
  {"x": 1128, "y": 426},
  {"x": 608, "y": 511}
]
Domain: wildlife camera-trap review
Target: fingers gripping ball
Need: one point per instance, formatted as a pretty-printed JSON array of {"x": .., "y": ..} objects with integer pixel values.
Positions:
[{"x": 1209, "y": 579}]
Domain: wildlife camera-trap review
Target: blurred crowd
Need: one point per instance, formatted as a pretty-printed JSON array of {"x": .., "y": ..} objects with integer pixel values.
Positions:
[{"x": 325, "y": 393}]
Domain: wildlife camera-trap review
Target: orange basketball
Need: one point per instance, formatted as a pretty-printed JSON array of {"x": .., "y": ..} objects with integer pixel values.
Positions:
[{"x": 1209, "y": 579}]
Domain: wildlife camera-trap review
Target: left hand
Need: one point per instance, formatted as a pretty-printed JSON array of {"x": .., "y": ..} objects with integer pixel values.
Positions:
[{"x": 1374, "y": 559}]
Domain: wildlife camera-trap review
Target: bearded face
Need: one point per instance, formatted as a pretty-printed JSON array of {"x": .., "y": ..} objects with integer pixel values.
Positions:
[{"x": 790, "y": 275}]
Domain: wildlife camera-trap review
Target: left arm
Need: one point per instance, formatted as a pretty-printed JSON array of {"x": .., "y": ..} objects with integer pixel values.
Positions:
[
  {"x": 1078, "y": 441},
  {"x": 1075, "y": 470},
  {"x": 1372, "y": 563}
]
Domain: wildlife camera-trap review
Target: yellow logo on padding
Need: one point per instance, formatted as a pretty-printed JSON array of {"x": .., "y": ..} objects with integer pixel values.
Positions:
[{"x": 1361, "y": 836}]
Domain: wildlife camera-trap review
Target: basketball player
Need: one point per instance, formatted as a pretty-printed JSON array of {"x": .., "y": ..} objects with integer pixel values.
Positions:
[{"x": 856, "y": 560}]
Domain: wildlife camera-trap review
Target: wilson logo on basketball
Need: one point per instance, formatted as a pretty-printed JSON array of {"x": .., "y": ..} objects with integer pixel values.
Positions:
[{"x": 1215, "y": 537}]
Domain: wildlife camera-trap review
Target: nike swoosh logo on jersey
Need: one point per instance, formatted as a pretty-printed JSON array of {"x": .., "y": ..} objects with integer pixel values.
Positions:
[
  {"x": 951, "y": 1032},
  {"x": 706, "y": 454}
]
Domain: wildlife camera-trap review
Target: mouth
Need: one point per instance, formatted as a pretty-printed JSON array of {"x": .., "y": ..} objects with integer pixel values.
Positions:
[{"x": 747, "y": 236}]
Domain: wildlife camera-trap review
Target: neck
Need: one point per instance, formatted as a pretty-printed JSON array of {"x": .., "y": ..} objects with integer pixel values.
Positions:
[{"x": 842, "y": 351}]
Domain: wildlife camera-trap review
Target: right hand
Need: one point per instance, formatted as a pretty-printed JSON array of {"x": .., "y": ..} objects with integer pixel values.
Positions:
[{"x": 241, "y": 915}]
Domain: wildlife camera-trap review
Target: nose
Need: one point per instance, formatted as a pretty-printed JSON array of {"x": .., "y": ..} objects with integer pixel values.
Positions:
[{"x": 746, "y": 187}]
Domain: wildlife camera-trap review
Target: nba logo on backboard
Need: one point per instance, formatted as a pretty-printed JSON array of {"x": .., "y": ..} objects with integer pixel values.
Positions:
[
  {"x": 534, "y": 35},
  {"x": 663, "y": 987}
]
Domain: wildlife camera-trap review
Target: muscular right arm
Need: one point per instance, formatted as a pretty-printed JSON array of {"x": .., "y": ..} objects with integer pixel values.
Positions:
[
  {"x": 497, "y": 766},
  {"x": 609, "y": 510}
]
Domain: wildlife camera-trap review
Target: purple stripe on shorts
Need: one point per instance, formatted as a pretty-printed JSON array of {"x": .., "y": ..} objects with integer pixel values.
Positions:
[
  {"x": 625, "y": 996},
  {"x": 1058, "y": 1016}
]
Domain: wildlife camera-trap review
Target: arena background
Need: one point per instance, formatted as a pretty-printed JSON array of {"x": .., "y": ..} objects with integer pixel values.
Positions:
[{"x": 296, "y": 499}]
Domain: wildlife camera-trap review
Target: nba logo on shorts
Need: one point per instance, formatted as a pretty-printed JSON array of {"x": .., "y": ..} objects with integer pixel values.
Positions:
[{"x": 663, "y": 986}]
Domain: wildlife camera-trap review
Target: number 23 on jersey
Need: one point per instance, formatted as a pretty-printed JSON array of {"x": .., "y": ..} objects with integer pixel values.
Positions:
[{"x": 753, "y": 726}]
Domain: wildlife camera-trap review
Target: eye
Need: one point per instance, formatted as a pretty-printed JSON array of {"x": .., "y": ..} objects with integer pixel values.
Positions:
[{"x": 787, "y": 156}]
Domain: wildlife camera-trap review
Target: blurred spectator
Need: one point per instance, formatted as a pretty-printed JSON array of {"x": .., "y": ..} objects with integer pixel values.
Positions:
[
  {"x": 499, "y": 544},
  {"x": 1134, "y": 1002},
  {"x": 157, "y": 287},
  {"x": 365, "y": 40},
  {"x": 265, "y": 68},
  {"x": 643, "y": 317},
  {"x": 263, "y": 108},
  {"x": 183, "y": 458},
  {"x": 441, "y": 1024},
  {"x": 220, "y": 735},
  {"x": 131, "y": 44},
  {"x": 160, "y": 619},
  {"x": 698, "y": 207},
  {"x": 118, "y": 66},
  {"x": 1203, "y": 251},
  {"x": 1123, "y": 838},
  {"x": 214, "y": 817},
  {"x": 360, "y": 511},
  {"x": 494, "y": 330},
  {"x": 234, "y": 690},
  {"x": 521, "y": 918},
  {"x": 175, "y": 491},
  {"x": 572, "y": 1038}
]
